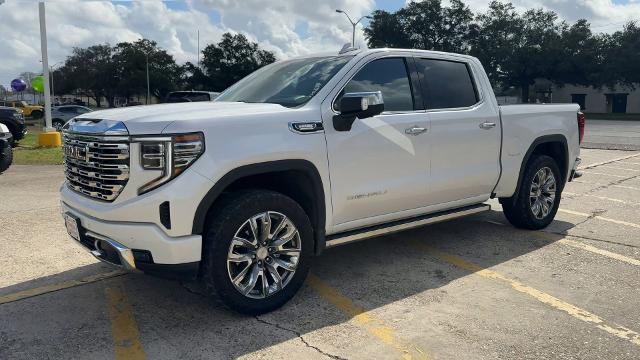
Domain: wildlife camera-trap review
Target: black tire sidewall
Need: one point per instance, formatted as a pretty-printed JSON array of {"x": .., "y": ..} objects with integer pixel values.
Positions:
[
  {"x": 529, "y": 220},
  {"x": 220, "y": 232},
  {"x": 6, "y": 157}
]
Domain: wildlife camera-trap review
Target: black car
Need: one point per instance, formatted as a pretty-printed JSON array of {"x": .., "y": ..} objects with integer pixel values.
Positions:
[
  {"x": 6, "y": 152},
  {"x": 190, "y": 96},
  {"x": 14, "y": 120}
]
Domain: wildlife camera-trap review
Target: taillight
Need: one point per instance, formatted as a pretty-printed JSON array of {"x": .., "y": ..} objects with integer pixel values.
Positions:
[{"x": 581, "y": 122}]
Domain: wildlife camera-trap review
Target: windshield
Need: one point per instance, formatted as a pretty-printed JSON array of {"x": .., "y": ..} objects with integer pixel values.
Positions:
[{"x": 289, "y": 83}]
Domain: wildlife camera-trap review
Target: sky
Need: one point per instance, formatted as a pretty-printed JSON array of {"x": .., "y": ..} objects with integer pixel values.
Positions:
[{"x": 286, "y": 27}]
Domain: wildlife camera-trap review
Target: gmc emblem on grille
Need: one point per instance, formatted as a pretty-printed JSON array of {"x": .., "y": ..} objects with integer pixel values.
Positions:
[{"x": 77, "y": 152}]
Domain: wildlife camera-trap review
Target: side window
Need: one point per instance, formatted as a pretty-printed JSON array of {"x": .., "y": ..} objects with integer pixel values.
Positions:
[
  {"x": 388, "y": 75},
  {"x": 448, "y": 84}
]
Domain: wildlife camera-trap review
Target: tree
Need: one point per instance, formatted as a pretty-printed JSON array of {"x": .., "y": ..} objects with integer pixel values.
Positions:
[
  {"x": 422, "y": 25},
  {"x": 622, "y": 51},
  {"x": 233, "y": 58},
  {"x": 579, "y": 56},
  {"x": 517, "y": 49},
  {"x": 386, "y": 30},
  {"x": 130, "y": 69},
  {"x": 89, "y": 70},
  {"x": 193, "y": 78}
]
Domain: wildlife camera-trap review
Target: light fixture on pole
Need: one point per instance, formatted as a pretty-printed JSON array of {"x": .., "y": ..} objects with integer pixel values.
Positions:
[{"x": 353, "y": 24}]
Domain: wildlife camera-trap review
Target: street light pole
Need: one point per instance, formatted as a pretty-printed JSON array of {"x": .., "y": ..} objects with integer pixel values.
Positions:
[
  {"x": 148, "y": 91},
  {"x": 353, "y": 25}
]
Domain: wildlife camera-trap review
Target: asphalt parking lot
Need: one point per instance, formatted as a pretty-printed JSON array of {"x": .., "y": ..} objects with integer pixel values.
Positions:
[{"x": 474, "y": 288}]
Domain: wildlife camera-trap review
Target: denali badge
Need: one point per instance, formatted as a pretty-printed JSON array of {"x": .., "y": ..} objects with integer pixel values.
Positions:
[
  {"x": 77, "y": 152},
  {"x": 366, "y": 195}
]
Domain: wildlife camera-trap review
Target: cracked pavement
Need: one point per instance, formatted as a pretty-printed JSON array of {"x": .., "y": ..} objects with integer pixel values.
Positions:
[{"x": 409, "y": 297}]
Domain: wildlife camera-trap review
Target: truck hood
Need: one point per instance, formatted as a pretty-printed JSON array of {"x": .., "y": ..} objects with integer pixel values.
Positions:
[{"x": 153, "y": 119}]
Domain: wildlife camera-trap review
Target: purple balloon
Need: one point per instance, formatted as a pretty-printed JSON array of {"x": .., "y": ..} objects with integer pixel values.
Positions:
[{"x": 18, "y": 85}]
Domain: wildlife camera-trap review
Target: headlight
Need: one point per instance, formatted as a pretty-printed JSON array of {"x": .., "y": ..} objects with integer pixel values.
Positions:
[{"x": 170, "y": 154}]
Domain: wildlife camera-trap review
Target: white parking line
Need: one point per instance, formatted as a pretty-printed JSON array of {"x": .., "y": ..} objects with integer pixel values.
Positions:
[
  {"x": 601, "y": 198},
  {"x": 603, "y": 174},
  {"x": 608, "y": 161},
  {"x": 619, "y": 222},
  {"x": 617, "y": 168},
  {"x": 553, "y": 237},
  {"x": 626, "y": 187},
  {"x": 580, "y": 245}
]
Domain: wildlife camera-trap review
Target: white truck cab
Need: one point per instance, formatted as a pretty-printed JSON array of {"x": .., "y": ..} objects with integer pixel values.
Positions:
[{"x": 303, "y": 154}]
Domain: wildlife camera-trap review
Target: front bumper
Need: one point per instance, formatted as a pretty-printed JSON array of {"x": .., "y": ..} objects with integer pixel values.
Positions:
[{"x": 138, "y": 246}]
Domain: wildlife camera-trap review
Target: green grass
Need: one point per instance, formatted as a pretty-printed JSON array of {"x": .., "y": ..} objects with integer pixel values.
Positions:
[{"x": 29, "y": 153}]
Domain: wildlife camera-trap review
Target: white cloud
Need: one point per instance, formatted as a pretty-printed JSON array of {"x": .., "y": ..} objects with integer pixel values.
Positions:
[
  {"x": 84, "y": 23},
  {"x": 173, "y": 25}
]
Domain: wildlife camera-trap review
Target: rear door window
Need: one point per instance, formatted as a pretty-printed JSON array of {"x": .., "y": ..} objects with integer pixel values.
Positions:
[{"x": 448, "y": 84}]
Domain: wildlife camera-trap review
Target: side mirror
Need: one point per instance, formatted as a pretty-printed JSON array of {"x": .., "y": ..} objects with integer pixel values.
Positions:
[{"x": 359, "y": 105}]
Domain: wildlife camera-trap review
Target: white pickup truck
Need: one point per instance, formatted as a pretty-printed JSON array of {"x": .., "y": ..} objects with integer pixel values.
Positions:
[{"x": 305, "y": 154}]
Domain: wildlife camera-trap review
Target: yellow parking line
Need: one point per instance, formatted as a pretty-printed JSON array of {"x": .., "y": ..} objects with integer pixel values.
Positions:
[
  {"x": 126, "y": 338},
  {"x": 572, "y": 310},
  {"x": 619, "y": 222},
  {"x": 376, "y": 327},
  {"x": 24, "y": 294}
]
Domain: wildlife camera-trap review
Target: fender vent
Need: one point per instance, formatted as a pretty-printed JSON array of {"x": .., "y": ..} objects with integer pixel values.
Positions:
[{"x": 165, "y": 214}]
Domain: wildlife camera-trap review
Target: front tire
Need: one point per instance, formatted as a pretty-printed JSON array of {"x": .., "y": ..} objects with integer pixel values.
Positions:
[
  {"x": 257, "y": 250},
  {"x": 536, "y": 203}
]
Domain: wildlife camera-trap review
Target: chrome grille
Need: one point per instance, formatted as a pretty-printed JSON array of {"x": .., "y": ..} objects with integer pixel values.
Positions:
[{"x": 96, "y": 166}]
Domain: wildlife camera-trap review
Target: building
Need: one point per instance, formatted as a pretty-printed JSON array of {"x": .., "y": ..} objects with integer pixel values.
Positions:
[{"x": 617, "y": 100}]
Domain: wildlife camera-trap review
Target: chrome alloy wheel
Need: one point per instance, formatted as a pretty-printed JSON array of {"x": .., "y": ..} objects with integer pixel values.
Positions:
[
  {"x": 263, "y": 255},
  {"x": 542, "y": 194}
]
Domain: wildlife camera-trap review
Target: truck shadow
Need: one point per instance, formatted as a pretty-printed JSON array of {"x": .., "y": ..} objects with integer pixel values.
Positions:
[{"x": 178, "y": 321}]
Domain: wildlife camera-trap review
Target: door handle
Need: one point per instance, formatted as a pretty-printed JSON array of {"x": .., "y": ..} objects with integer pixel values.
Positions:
[
  {"x": 487, "y": 125},
  {"x": 416, "y": 130}
]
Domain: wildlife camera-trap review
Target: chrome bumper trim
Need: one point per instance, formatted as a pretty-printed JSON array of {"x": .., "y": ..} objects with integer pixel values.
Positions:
[{"x": 124, "y": 253}]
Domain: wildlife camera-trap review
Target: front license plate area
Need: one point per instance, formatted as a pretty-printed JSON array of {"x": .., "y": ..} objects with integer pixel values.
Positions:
[{"x": 73, "y": 226}]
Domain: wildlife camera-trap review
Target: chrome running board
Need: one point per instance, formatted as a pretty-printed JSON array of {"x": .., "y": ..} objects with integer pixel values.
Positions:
[{"x": 401, "y": 225}]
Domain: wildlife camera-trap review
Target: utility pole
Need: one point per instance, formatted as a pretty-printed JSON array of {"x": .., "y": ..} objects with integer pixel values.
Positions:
[
  {"x": 353, "y": 24},
  {"x": 198, "y": 48}
]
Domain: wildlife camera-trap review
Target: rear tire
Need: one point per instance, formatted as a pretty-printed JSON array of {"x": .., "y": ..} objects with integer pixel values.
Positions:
[
  {"x": 536, "y": 203},
  {"x": 229, "y": 251}
]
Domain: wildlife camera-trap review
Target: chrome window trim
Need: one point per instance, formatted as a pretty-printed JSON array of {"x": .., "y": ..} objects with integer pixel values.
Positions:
[{"x": 374, "y": 58}]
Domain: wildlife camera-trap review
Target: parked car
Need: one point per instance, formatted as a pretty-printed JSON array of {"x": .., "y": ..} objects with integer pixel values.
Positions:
[
  {"x": 6, "y": 150},
  {"x": 61, "y": 114},
  {"x": 305, "y": 154},
  {"x": 34, "y": 111},
  {"x": 13, "y": 119},
  {"x": 190, "y": 96}
]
